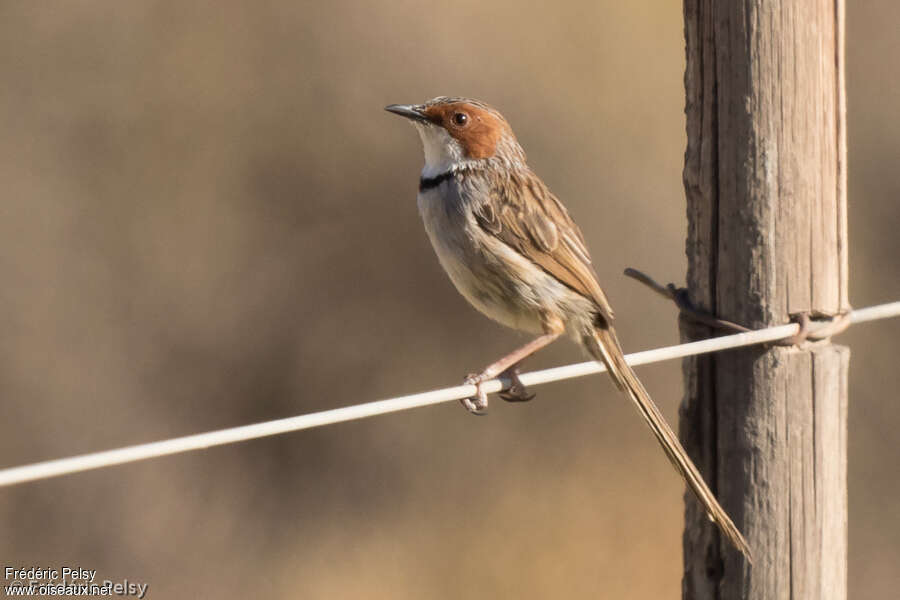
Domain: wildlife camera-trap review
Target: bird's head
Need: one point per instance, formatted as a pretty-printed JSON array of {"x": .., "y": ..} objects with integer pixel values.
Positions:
[{"x": 460, "y": 133}]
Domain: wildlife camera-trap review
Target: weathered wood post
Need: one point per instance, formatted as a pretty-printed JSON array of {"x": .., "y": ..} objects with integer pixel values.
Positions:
[{"x": 765, "y": 176}]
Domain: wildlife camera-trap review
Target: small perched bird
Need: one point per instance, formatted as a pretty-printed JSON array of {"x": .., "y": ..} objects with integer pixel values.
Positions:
[{"x": 511, "y": 248}]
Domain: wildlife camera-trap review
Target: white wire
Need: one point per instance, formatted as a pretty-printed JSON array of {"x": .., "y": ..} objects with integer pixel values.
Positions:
[{"x": 97, "y": 460}]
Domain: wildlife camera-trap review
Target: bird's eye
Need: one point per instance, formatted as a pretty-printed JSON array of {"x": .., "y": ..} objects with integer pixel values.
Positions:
[{"x": 460, "y": 118}]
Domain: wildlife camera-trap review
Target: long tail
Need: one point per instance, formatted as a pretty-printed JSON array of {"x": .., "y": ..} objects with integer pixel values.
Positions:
[{"x": 604, "y": 346}]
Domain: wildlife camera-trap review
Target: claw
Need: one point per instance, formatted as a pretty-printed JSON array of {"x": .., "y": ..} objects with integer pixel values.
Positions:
[
  {"x": 517, "y": 392},
  {"x": 477, "y": 404}
]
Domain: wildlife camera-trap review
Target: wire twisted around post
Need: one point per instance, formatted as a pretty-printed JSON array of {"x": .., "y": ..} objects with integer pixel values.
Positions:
[{"x": 833, "y": 325}]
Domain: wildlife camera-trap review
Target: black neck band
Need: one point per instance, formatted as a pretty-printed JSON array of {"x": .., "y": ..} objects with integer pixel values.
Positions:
[{"x": 427, "y": 183}]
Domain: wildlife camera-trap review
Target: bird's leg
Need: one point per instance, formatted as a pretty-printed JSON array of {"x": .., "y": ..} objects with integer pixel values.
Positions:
[{"x": 478, "y": 403}]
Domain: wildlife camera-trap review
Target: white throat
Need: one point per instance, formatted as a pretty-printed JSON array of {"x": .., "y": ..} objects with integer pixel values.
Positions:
[{"x": 442, "y": 152}]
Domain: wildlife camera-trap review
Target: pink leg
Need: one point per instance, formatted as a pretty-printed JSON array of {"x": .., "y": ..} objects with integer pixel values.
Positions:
[{"x": 478, "y": 403}]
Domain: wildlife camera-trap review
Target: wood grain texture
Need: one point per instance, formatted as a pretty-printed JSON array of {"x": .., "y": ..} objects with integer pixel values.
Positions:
[{"x": 765, "y": 180}]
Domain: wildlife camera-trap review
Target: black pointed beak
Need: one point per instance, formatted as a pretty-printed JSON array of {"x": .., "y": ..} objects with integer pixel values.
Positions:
[{"x": 414, "y": 112}]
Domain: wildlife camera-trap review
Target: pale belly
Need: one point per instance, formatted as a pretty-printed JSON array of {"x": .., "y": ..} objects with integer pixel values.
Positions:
[{"x": 495, "y": 279}]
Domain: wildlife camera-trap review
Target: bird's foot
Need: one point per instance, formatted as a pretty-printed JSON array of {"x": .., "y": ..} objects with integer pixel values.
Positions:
[
  {"x": 516, "y": 392},
  {"x": 477, "y": 404}
]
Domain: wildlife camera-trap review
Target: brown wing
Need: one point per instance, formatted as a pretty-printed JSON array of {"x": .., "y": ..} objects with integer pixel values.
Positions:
[{"x": 524, "y": 214}]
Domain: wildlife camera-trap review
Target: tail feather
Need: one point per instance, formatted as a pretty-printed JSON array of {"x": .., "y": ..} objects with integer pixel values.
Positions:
[{"x": 604, "y": 346}]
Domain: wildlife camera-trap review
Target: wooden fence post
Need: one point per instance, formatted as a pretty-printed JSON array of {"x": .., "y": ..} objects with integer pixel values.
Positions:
[{"x": 765, "y": 173}]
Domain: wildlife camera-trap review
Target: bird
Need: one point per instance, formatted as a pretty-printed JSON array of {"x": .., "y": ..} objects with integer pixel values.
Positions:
[{"x": 513, "y": 251}]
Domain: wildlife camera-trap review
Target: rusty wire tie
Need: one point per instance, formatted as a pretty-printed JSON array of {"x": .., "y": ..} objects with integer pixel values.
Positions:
[{"x": 826, "y": 325}]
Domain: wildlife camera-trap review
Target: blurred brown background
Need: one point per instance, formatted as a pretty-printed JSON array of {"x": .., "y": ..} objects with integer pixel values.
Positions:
[{"x": 208, "y": 220}]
